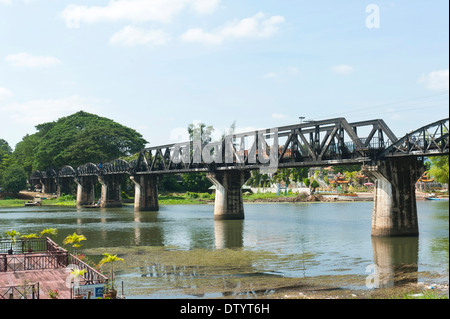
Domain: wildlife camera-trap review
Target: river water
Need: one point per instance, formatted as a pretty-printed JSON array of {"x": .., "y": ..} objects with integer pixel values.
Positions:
[{"x": 182, "y": 252}]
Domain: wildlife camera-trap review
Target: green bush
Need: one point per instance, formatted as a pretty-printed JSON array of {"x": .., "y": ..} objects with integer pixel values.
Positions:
[
  {"x": 205, "y": 196},
  {"x": 191, "y": 195},
  {"x": 65, "y": 198}
]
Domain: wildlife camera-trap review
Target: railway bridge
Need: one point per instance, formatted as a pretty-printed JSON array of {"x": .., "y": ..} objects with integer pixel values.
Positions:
[{"x": 394, "y": 164}]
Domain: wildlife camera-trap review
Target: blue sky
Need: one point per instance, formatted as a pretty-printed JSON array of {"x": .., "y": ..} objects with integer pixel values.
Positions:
[{"x": 158, "y": 65}]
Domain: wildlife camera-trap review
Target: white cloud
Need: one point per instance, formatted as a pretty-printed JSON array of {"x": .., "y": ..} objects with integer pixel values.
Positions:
[
  {"x": 254, "y": 27},
  {"x": 9, "y": 2},
  {"x": 134, "y": 10},
  {"x": 282, "y": 74},
  {"x": 200, "y": 36},
  {"x": 5, "y": 93},
  {"x": 436, "y": 80},
  {"x": 342, "y": 69},
  {"x": 278, "y": 116},
  {"x": 205, "y": 6},
  {"x": 44, "y": 110},
  {"x": 270, "y": 75},
  {"x": 131, "y": 36},
  {"x": 29, "y": 61}
]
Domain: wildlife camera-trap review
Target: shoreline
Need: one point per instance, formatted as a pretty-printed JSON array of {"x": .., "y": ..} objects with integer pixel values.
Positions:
[{"x": 189, "y": 198}]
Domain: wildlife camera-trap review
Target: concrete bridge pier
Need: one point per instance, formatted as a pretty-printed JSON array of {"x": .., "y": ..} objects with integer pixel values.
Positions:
[
  {"x": 86, "y": 190},
  {"x": 229, "y": 203},
  {"x": 394, "y": 208},
  {"x": 49, "y": 185},
  {"x": 146, "y": 192},
  {"x": 111, "y": 195},
  {"x": 64, "y": 185}
]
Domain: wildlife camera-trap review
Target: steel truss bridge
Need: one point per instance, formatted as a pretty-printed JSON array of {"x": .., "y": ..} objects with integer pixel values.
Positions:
[{"x": 315, "y": 143}]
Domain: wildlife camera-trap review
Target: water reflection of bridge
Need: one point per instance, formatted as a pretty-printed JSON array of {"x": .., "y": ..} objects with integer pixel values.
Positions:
[{"x": 396, "y": 261}]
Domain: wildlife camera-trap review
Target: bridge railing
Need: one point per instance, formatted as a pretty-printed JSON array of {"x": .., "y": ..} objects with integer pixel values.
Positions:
[
  {"x": 23, "y": 245},
  {"x": 31, "y": 254}
]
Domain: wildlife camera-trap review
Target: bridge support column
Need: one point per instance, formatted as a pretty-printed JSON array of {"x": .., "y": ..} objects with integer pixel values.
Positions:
[
  {"x": 48, "y": 185},
  {"x": 146, "y": 192},
  {"x": 111, "y": 191},
  {"x": 229, "y": 203},
  {"x": 85, "y": 190},
  {"x": 394, "y": 207},
  {"x": 64, "y": 186}
]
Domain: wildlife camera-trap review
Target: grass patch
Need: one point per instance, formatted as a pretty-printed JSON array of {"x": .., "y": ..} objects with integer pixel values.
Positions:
[
  {"x": 185, "y": 198},
  {"x": 188, "y": 198},
  {"x": 253, "y": 196},
  {"x": 65, "y": 200},
  {"x": 425, "y": 294},
  {"x": 12, "y": 202},
  {"x": 58, "y": 202}
]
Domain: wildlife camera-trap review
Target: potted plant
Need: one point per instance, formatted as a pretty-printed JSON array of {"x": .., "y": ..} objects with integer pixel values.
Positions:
[
  {"x": 53, "y": 294},
  {"x": 110, "y": 290},
  {"x": 76, "y": 274},
  {"x": 12, "y": 235},
  {"x": 108, "y": 293}
]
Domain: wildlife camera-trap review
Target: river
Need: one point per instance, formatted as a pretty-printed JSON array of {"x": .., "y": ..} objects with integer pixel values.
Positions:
[{"x": 182, "y": 252}]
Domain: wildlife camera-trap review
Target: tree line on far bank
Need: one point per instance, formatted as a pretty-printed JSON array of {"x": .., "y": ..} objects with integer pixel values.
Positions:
[{"x": 83, "y": 137}]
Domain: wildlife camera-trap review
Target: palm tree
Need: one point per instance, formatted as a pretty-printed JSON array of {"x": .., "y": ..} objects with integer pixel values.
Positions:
[
  {"x": 50, "y": 231},
  {"x": 110, "y": 259},
  {"x": 12, "y": 235},
  {"x": 75, "y": 240}
]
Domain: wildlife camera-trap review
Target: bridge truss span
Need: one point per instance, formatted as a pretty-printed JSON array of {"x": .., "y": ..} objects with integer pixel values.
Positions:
[
  {"x": 316, "y": 143},
  {"x": 429, "y": 140}
]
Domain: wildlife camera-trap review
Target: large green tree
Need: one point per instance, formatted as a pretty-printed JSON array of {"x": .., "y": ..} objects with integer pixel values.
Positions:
[
  {"x": 13, "y": 179},
  {"x": 4, "y": 148},
  {"x": 5, "y": 158},
  {"x": 5, "y": 154},
  {"x": 25, "y": 150},
  {"x": 196, "y": 182},
  {"x": 440, "y": 168},
  {"x": 75, "y": 140}
]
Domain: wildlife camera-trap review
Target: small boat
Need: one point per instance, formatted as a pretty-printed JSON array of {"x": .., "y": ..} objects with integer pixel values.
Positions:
[
  {"x": 435, "y": 198},
  {"x": 33, "y": 203}
]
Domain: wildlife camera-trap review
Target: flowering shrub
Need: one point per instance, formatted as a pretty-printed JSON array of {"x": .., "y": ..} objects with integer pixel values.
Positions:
[{"x": 53, "y": 294}]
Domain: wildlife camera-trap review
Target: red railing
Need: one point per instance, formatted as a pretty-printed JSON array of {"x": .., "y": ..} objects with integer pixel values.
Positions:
[
  {"x": 44, "y": 254},
  {"x": 26, "y": 291}
]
